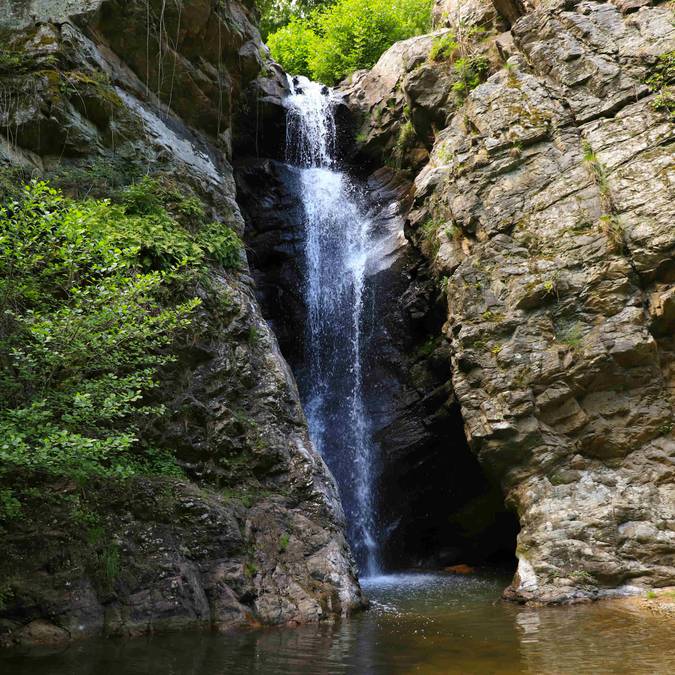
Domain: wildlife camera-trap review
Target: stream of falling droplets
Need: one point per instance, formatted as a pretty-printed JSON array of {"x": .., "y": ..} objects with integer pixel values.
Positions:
[{"x": 337, "y": 239}]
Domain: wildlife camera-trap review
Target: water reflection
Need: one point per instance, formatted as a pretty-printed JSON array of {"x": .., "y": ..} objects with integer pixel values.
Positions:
[{"x": 418, "y": 624}]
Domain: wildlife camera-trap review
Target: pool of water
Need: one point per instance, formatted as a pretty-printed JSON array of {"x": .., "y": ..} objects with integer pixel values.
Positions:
[{"x": 418, "y": 623}]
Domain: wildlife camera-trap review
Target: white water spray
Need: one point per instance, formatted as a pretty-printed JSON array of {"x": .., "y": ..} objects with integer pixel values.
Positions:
[{"x": 337, "y": 245}]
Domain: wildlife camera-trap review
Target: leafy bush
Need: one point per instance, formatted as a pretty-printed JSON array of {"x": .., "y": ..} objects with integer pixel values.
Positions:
[
  {"x": 337, "y": 40},
  {"x": 661, "y": 83},
  {"x": 275, "y": 14},
  {"x": 293, "y": 45},
  {"x": 443, "y": 47},
  {"x": 168, "y": 229},
  {"x": 82, "y": 334}
]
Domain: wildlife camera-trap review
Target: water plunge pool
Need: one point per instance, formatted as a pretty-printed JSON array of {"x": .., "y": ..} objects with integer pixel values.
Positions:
[{"x": 417, "y": 623}]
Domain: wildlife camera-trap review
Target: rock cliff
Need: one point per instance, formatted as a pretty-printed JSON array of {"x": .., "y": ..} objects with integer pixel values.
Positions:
[
  {"x": 540, "y": 142},
  {"x": 95, "y": 94}
]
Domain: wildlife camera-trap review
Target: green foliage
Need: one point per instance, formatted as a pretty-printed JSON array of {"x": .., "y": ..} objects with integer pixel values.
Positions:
[
  {"x": 169, "y": 230},
  {"x": 404, "y": 142},
  {"x": 110, "y": 563},
  {"x": 470, "y": 71},
  {"x": 292, "y": 46},
  {"x": 613, "y": 230},
  {"x": 661, "y": 82},
  {"x": 254, "y": 335},
  {"x": 599, "y": 174},
  {"x": 284, "y": 540},
  {"x": 589, "y": 153},
  {"x": 572, "y": 337},
  {"x": 10, "y": 506},
  {"x": 406, "y": 135},
  {"x": 82, "y": 335},
  {"x": 429, "y": 237},
  {"x": 275, "y": 14},
  {"x": 443, "y": 47},
  {"x": 221, "y": 244},
  {"x": 15, "y": 62},
  {"x": 336, "y": 40}
]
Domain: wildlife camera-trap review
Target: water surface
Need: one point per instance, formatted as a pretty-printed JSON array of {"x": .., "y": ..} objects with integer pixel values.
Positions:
[{"x": 418, "y": 623}]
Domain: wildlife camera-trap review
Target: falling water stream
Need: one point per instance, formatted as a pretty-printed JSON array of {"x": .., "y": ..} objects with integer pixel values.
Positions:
[{"x": 339, "y": 239}]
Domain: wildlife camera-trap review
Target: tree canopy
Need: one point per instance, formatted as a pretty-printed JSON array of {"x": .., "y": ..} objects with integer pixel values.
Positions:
[{"x": 328, "y": 42}]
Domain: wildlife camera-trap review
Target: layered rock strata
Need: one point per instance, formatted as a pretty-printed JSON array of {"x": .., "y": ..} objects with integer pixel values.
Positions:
[{"x": 546, "y": 212}]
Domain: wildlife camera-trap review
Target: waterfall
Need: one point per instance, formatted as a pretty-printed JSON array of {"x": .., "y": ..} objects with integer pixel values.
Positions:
[{"x": 338, "y": 241}]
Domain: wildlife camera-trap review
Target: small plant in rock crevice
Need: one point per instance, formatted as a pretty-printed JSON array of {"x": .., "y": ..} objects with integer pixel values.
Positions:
[
  {"x": 609, "y": 221},
  {"x": 662, "y": 83},
  {"x": 460, "y": 47},
  {"x": 471, "y": 71},
  {"x": 110, "y": 560},
  {"x": 284, "y": 540},
  {"x": 443, "y": 47},
  {"x": 572, "y": 336}
]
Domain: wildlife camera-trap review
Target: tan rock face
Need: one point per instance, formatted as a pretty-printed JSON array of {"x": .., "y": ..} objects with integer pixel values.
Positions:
[{"x": 546, "y": 210}]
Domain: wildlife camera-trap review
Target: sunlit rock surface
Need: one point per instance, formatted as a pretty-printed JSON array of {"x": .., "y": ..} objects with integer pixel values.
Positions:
[{"x": 546, "y": 212}]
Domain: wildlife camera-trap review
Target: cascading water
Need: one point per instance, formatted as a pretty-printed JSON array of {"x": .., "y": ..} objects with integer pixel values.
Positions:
[{"x": 338, "y": 241}]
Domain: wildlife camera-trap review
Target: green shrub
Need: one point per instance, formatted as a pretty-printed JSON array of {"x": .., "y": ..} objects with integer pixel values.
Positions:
[
  {"x": 661, "y": 82},
  {"x": 346, "y": 36},
  {"x": 168, "y": 230},
  {"x": 470, "y": 71},
  {"x": 443, "y": 47},
  {"x": 82, "y": 335},
  {"x": 221, "y": 244},
  {"x": 275, "y": 14},
  {"x": 292, "y": 46}
]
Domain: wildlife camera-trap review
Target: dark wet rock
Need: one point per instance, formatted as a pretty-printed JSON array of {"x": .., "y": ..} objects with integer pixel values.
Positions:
[
  {"x": 426, "y": 472},
  {"x": 268, "y": 195},
  {"x": 256, "y": 533}
]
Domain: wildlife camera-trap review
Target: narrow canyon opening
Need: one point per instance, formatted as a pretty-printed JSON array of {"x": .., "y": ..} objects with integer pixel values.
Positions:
[{"x": 359, "y": 319}]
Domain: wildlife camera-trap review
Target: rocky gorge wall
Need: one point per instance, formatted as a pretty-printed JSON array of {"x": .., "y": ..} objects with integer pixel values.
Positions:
[
  {"x": 540, "y": 146},
  {"x": 434, "y": 505},
  {"x": 538, "y": 207},
  {"x": 93, "y": 95}
]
